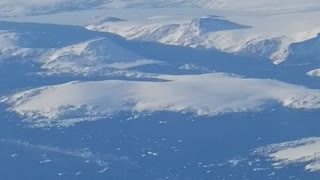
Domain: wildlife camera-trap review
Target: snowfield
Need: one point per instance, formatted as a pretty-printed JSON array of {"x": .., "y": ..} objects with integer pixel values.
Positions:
[
  {"x": 275, "y": 30},
  {"x": 203, "y": 95},
  {"x": 304, "y": 151},
  {"x": 245, "y": 33},
  {"x": 20, "y": 7}
]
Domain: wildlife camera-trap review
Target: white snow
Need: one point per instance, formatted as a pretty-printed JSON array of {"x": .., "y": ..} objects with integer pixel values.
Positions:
[
  {"x": 269, "y": 35},
  {"x": 7, "y": 39},
  {"x": 98, "y": 56},
  {"x": 304, "y": 151},
  {"x": 9, "y": 46},
  {"x": 268, "y": 29},
  {"x": 314, "y": 73},
  {"x": 273, "y": 27},
  {"x": 204, "y": 95},
  {"x": 280, "y": 30},
  {"x": 94, "y": 57},
  {"x": 42, "y": 6},
  {"x": 34, "y": 7}
]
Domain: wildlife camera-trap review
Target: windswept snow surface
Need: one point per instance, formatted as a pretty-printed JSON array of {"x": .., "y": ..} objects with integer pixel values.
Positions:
[{"x": 207, "y": 94}]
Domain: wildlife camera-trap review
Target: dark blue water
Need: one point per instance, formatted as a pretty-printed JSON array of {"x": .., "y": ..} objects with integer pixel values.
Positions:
[{"x": 156, "y": 146}]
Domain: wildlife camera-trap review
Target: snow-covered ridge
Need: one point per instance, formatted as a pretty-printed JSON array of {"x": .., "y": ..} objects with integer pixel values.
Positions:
[
  {"x": 10, "y": 47},
  {"x": 277, "y": 30},
  {"x": 207, "y": 94},
  {"x": 266, "y": 34},
  {"x": 189, "y": 33},
  {"x": 185, "y": 32},
  {"x": 96, "y": 56},
  {"x": 304, "y": 151},
  {"x": 82, "y": 53}
]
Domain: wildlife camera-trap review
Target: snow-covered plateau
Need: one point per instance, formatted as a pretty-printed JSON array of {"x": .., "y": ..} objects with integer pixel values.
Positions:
[{"x": 207, "y": 94}]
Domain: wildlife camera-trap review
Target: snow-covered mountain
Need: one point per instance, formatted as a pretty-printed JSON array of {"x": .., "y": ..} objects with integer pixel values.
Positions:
[
  {"x": 94, "y": 57},
  {"x": 246, "y": 33},
  {"x": 84, "y": 53},
  {"x": 95, "y": 52},
  {"x": 236, "y": 27},
  {"x": 182, "y": 89}
]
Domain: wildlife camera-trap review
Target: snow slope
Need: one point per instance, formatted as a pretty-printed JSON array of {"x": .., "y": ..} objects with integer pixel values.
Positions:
[
  {"x": 82, "y": 52},
  {"x": 94, "y": 57},
  {"x": 269, "y": 29},
  {"x": 266, "y": 29},
  {"x": 246, "y": 33},
  {"x": 207, "y": 94}
]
